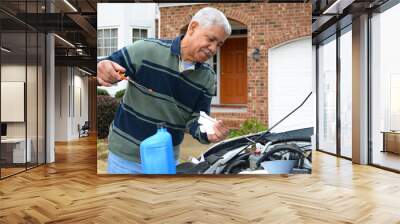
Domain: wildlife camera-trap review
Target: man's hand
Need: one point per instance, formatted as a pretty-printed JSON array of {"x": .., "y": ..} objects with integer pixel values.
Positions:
[
  {"x": 220, "y": 132},
  {"x": 107, "y": 72}
]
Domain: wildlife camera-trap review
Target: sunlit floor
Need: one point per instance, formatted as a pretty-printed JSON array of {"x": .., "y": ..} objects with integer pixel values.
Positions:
[
  {"x": 386, "y": 159},
  {"x": 70, "y": 191},
  {"x": 7, "y": 171}
]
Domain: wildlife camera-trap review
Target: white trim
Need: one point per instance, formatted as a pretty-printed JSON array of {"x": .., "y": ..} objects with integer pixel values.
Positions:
[
  {"x": 108, "y": 27},
  {"x": 139, "y": 27},
  {"x": 159, "y": 28},
  {"x": 237, "y": 36},
  {"x": 158, "y": 18},
  {"x": 290, "y": 41},
  {"x": 218, "y": 76},
  {"x": 216, "y": 99},
  {"x": 216, "y": 109},
  {"x": 166, "y": 5}
]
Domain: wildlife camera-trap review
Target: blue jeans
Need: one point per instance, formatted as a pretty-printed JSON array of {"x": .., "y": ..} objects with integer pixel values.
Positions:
[{"x": 118, "y": 165}]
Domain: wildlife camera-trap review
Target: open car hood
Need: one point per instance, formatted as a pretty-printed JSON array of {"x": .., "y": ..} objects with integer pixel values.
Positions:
[
  {"x": 303, "y": 134},
  {"x": 245, "y": 154},
  {"x": 221, "y": 156}
]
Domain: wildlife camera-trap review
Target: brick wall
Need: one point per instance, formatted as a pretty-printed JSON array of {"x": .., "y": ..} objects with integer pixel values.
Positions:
[{"x": 268, "y": 25}]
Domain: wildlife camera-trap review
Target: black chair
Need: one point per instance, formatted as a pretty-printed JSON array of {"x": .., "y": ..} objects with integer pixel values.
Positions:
[{"x": 84, "y": 130}]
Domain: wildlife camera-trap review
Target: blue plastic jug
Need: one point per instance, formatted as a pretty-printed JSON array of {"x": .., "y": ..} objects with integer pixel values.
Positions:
[{"x": 156, "y": 153}]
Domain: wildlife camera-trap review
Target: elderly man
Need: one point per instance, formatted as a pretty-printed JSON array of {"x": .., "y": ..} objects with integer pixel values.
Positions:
[{"x": 170, "y": 83}]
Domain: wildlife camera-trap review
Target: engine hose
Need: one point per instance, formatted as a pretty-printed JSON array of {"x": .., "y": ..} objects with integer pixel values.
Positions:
[
  {"x": 241, "y": 157},
  {"x": 290, "y": 148},
  {"x": 234, "y": 164}
]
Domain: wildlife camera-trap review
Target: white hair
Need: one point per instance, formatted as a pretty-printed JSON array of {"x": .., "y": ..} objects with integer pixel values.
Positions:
[{"x": 210, "y": 16}]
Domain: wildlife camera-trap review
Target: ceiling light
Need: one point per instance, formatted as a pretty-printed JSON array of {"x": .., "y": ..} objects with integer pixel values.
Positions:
[
  {"x": 86, "y": 72},
  {"x": 5, "y": 50},
  {"x": 70, "y": 5},
  {"x": 338, "y": 6},
  {"x": 65, "y": 41},
  {"x": 79, "y": 51}
]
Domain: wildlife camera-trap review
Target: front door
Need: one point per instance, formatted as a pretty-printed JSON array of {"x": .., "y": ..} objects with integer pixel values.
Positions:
[{"x": 233, "y": 79}]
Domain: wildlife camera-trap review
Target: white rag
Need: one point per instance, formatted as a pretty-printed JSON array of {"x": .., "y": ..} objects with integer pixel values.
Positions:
[{"x": 206, "y": 123}]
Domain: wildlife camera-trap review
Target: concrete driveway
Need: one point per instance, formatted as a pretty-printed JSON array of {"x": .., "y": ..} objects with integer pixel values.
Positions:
[{"x": 190, "y": 147}]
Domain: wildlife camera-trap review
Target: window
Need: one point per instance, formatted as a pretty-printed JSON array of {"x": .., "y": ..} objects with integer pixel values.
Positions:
[
  {"x": 22, "y": 71},
  {"x": 138, "y": 34},
  {"x": 346, "y": 94},
  {"x": 385, "y": 89},
  {"x": 107, "y": 41},
  {"x": 327, "y": 96},
  {"x": 394, "y": 102}
]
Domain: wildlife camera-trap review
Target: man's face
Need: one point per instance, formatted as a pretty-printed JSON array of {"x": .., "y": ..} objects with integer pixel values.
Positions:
[{"x": 205, "y": 41}]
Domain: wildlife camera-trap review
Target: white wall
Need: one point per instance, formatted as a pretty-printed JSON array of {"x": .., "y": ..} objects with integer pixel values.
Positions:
[
  {"x": 15, "y": 73},
  {"x": 67, "y": 115},
  {"x": 161, "y": 5},
  {"x": 289, "y": 82},
  {"x": 12, "y": 101},
  {"x": 80, "y": 83},
  {"x": 61, "y": 104},
  {"x": 126, "y": 16}
]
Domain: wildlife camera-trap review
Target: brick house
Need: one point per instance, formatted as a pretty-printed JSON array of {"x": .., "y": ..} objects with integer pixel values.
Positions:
[{"x": 242, "y": 62}]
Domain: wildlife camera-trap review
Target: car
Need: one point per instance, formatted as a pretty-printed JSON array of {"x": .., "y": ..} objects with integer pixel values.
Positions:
[
  {"x": 265, "y": 152},
  {"x": 251, "y": 153}
]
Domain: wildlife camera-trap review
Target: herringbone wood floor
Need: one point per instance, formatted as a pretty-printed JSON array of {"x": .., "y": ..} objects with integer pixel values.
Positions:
[{"x": 70, "y": 191}]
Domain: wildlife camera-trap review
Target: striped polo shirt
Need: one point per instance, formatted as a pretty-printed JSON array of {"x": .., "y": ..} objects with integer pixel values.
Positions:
[{"x": 160, "y": 90}]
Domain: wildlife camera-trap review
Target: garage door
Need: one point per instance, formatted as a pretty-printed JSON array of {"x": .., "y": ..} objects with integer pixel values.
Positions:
[{"x": 289, "y": 82}]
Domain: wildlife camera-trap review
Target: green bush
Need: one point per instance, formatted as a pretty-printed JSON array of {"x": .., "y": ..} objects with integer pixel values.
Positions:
[
  {"x": 102, "y": 92},
  {"x": 106, "y": 108},
  {"x": 249, "y": 126},
  {"x": 119, "y": 94}
]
